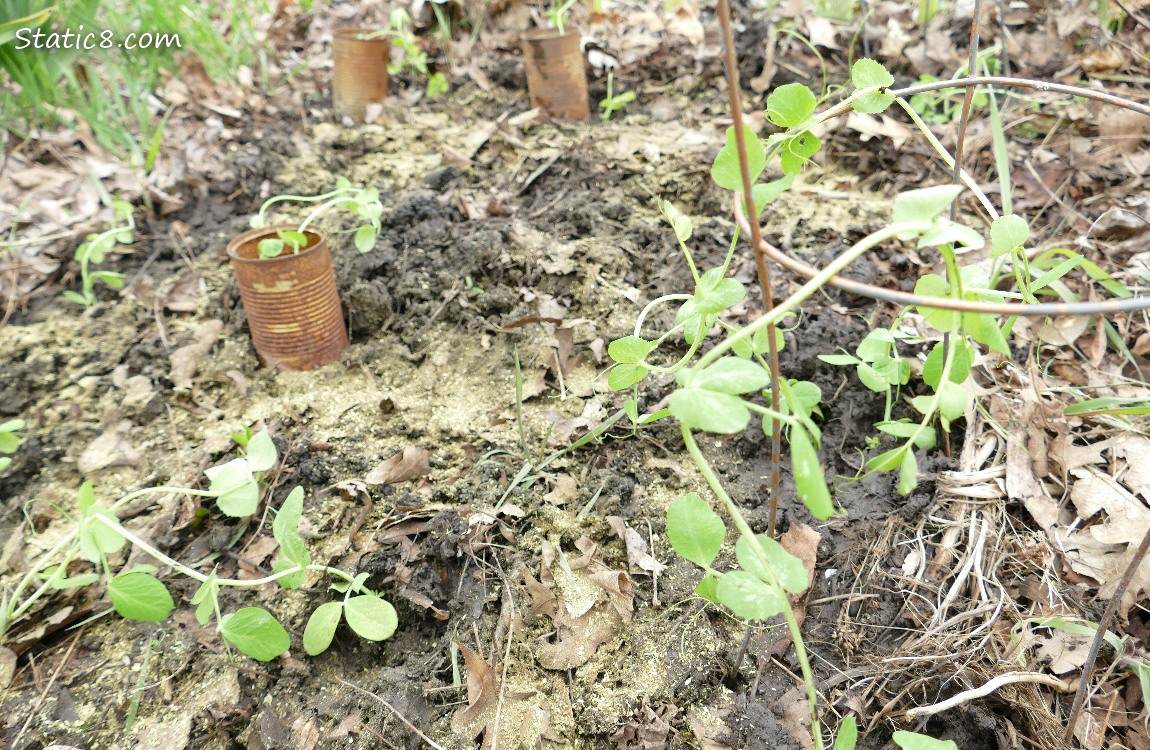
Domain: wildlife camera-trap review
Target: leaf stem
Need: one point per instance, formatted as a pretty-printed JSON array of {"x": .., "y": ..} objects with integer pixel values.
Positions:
[{"x": 788, "y": 612}]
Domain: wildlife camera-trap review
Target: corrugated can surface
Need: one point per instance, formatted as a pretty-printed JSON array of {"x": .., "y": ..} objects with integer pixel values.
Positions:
[
  {"x": 291, "y": 301},
  {"x": 555, "y": 76},
  {"x": 359, "y": 75}
]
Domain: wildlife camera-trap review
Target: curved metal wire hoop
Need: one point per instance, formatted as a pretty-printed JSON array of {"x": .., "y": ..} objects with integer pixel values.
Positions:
[
  {"x": 1126, "y": 304},
  {"x": 1040, "y": 309}
]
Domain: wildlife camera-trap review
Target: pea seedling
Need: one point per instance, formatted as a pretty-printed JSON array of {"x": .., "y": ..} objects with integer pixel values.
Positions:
[
  {"x": 95, "y": 247},
  {"x": 138, "y": 593},
  {"x": 363, "y": 202},
  {"x": 716, "y": 392},
  {"x": 614, "y": 101},
  {"x": 557, "y": 15},
  {"x": 9, "y": 440}
]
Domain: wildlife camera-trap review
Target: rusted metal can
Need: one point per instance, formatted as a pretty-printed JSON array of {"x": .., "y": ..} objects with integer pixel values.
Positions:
[
  {"x": 291, "y": 301},
  {"x": 556, "y": 79},
  {"x": 359, "y": 75}
]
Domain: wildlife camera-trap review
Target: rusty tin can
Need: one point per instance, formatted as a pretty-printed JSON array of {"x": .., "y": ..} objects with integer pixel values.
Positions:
[
  {"x": 291, "y": 301},
  {"x": 359, "y": 75},
  {"x": 556, "y": 79}
]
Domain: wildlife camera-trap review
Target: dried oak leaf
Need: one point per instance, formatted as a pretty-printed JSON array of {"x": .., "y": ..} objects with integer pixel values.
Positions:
[
  {"x": 413, "y": 463},
  {"x": 184, "y": 359},
  {"x": 509, "y": 720},
  {"x": 112, "y": 448}
]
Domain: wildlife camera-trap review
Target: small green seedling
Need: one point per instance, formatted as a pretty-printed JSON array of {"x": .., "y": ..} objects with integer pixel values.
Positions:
[
  {"x": 9, "y": 440},
  {"x": 414, "y": 57},
  {"x": 95, "y": 248},
  {"x": 363, "y": 202},
  {"x": 138, "y": 593},
  {"x": 614, "y": 101},
  {"x": 557, "y": 15}
]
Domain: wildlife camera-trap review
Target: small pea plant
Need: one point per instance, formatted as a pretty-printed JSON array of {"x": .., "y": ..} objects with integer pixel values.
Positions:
[
  {"x": 9, "y": 440},
  {"x": 719, "y": 391},
  {"x": 557, "y": 13},
  {"x": 139, "y": 594},
  {"x": 363, "y": 202},
  {"x": 614, "y": 102},
  {"x": 94, "y": 249},
  {"x": 414, "y": 58}
]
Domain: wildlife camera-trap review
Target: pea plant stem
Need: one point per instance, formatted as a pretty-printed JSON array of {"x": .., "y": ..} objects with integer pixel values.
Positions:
[
  {"x": 779, "y": 311},
  {"x": 788, "y": 612},
  {"x": 198, "y": 576},
  {"x": 18, "y": 611}
]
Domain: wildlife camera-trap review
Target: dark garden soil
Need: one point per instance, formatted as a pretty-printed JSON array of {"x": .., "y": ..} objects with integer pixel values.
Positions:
[
  {"x": 506, "y": 239},
  {"x": 437, "y": 313}
]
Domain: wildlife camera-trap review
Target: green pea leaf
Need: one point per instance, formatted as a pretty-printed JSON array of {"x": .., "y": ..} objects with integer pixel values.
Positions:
[
  {"x": 749, "y": 597},
  {"x": 297, "y": 240},
  {"x": 959, "y": 369},
  {"x": 680, "y": 222},
  {"x": 790, "y": 105},
  {"x": 804, "y": 398},
  {"x": 932, "y": 285},
  {"x": 710, "y": 411},
  {"x": 848, "y": 734},
  {"x": 365, "y": 238},
  {"x": 95, "y": 538},
  {"x": 237, "y": 493},
  {"x": 293, "y": 552},
  {"x": 796, "y": 151},
  {"x": 915, "y": 741},
  {"x": 695, "y": 531},
  {"x": 788, "y": 569},
  {"x": 715, "y": 293},
  {"x": 256, "y": 633},
  {"x": 908, "y": 474},
  {"x": 725, "y": 171},
  {"x": 730, "y": 375},
  {"x": 810, "y": 484},
  {"x": 953, "y": 399},
  {"x": 205, "y": 599},
  {"x": 887, "y": 461},
  {"x": 321, "y": 627},
  {"x": 371, "y": 617},
  {"x": 708, "y": 589},
  {"x": 630, "y": 349},
  {"x": 866, "y": 74},
  {"x": 139, "y": 596},
  {"x": 1008, "y": 233},
  {"x": 271, "y": 248},
  {"x": 261, "y": 452},
  {"x": 924, "y": 204},
  {"x": 767, "y": 192},
  {"x": 622, "y": 377}
]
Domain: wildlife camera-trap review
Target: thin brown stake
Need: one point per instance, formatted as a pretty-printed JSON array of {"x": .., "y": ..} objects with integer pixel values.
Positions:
[
  {"x": 1100, "y": 634},
  {"x": 967, "y": 99},
  {"x": 756, "y": 235}
]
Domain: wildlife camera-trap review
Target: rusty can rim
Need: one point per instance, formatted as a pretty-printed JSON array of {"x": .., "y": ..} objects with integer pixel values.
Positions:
[
  {"x": 355, "y": 34},
  {"x": 549, "y": 35},
  {"x": 251, "y": 235}
]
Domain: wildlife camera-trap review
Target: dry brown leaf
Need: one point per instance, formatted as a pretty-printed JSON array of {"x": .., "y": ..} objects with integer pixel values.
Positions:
[
  {"x": 112, "y": 448},
  {"x": 796, "y": 717},
  {"x": 803, "y": 542},
  {"x": 185, "y": 294},
  {"x": 7, "y": 666},
  {"x": 564, "y": 491},
  {"x": 870, "y": 127},
  {"x": 184, "y": 359},
  {"x": 413, "y": 463},
  {"x": 638, "y": 558},
  {"x": 509, "y": 720}
]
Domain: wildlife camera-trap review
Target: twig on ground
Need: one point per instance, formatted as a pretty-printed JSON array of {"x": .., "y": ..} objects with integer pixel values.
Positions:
[
  {"x": 419, "y": 733},
  {"x": 986, "y": 689}
]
